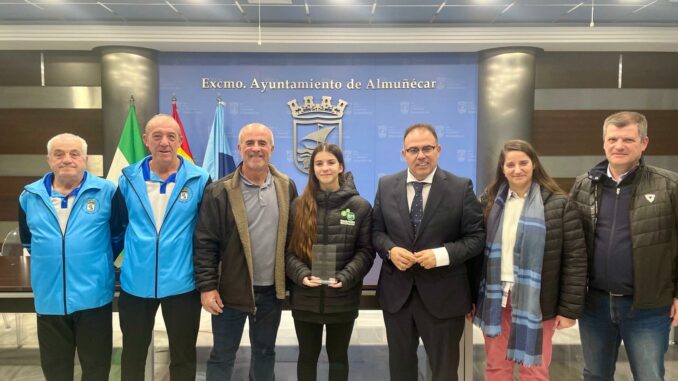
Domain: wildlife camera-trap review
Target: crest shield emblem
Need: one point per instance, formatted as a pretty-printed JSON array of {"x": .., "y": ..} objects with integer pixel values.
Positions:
[
  {"x": 91, "y": 206},
  {"x": 313, "y": 124}
]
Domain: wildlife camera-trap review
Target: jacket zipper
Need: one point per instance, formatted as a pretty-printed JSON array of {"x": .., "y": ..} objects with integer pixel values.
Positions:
[
  {"x": 322, "y": 287},
  {"x": 611, "y": 240},
  {"x": 63, "y": 266},
  {"x": 157, "y": 242},
  {"x": 157, "y": 233},
  {"x": 63, "y": 251}
]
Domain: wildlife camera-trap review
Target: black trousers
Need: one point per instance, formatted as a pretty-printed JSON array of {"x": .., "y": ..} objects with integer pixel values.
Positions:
[
  {"x": 90, "y": 331},
  {"x": 440, "y": 336},
  {"x": 182, "y": 320},
  {"x": 310, "y": 336}
]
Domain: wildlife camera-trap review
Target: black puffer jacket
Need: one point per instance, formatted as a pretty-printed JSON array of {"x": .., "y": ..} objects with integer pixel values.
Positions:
[
  {"x": 654, "y": 229},
  {"x": 563, "y": 274},
  {"x": 351, "y": 233}
]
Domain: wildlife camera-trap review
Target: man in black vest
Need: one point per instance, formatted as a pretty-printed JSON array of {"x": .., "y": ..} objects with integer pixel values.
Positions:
[{"x": 630, "y": 217}]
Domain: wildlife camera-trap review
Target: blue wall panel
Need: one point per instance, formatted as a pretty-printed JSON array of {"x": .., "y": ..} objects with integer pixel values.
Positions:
[{"x": 373, "y": 120}]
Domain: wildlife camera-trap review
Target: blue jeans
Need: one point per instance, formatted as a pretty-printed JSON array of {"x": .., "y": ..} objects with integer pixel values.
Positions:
[
  {"x": 227, "y": 329},
  {"x": 607, "y": 320}
]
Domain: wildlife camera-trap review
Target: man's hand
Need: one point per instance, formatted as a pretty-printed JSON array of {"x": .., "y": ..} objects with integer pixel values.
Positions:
[
  {"x": 426, "y": 258},
  {"x": 470, "y": 314},
  {"x": 562, "y": 322},
  {"x": 674, "y": 313},
  {"x": 403, "y": 259},
  {"x": 211, "y": 302}
]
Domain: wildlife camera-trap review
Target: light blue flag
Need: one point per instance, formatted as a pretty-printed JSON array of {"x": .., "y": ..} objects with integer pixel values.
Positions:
[{"x": 218, "y": 161}]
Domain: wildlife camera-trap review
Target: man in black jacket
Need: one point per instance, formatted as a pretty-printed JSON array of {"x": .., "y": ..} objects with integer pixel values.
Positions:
[
  {"x": 426, "y": 224},
  {"x": 630, "y": 216},
  {"x": 239, "y": 255}
]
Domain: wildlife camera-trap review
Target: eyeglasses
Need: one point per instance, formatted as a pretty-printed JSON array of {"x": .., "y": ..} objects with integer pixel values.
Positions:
[{"x": 414, "y": 151}]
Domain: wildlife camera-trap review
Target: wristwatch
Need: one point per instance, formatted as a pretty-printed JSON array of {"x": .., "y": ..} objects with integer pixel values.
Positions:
[{"x": 388, "y": 254}]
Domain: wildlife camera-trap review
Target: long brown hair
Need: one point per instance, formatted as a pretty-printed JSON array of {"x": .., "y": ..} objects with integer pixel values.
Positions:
[
  {"x": 306, "y": 210},
  {"x": 538, "y": 174}
]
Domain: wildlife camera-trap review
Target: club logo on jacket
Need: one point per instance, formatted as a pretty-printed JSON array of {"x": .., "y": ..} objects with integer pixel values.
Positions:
[
  {"x": 649, "y": 197},
  {"x": 313, "y": 124},
  {"x": 349, "y": 217},
  {"x": 184, "y": 195},
  {"x": 91, "y": 206}
]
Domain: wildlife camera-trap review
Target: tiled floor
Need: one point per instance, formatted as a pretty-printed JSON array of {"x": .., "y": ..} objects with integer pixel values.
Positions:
[{"x": 368, "y": 353}]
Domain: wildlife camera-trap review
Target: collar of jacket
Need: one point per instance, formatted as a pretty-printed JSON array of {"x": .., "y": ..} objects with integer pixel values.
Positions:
[
  {"x": 597, "y": 173},
  {"x": 38, "y": 187},
  {"x": 134, "y": 174}
]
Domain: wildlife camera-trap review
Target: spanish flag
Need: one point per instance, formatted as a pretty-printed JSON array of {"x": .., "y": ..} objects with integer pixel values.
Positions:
[{"x": 185, "y": 149}]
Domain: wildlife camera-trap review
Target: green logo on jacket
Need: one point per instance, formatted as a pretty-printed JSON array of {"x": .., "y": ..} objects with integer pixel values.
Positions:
[{"x": 349, "y": 217}]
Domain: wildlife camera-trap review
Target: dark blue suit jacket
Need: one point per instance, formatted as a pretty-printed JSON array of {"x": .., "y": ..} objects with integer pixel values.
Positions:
[{"x": 452, "y": 218}]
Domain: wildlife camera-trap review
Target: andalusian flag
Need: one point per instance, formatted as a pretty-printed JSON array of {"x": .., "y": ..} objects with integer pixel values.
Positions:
[
  {"x": 130, "y": 148},
  {"x": 185, "y": 149},
  {"x": 218, "y": 161}
]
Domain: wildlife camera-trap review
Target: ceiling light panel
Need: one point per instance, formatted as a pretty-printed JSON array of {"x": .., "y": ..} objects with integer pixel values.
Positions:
[
  {"x": 435, "y": 3},
  {"x": 21, "y": 12},
  {"x": 269, "y": 2},
  {"x": 292, "y": 14},
  {"x": 404, "y": 14},
  {"x": 666, "y": 13},
  {"x": 211, "y": 12},
  {"x": 469, "y": 14},
  {"x": 603, "y": 14},
  {"x": 124, "y": 2},
  {"x": 74, "y": 12},
  {"x": 533, "y": 14},
  {"x": 156, "y": 12},
  {"x": 360, "y": 14}
]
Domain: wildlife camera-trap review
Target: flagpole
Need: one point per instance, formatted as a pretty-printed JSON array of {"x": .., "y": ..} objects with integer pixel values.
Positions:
[{"x": 185, "y": 149}]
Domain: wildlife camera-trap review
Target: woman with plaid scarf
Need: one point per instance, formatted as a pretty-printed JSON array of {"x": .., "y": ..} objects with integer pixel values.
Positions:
[{"x": 534, "y": 273}]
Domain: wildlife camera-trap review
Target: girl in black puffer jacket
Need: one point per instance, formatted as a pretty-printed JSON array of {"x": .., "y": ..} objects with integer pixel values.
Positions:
[{"x": 331, "y": 216}]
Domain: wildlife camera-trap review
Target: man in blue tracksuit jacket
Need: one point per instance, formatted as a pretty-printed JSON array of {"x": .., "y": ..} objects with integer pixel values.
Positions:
[
  {"x": 72, "y": 224},
  {"x": 162, "y": 194}
]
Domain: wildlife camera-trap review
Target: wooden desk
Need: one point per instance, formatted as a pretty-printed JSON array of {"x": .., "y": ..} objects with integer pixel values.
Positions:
[{"x": 15, "y": 285}]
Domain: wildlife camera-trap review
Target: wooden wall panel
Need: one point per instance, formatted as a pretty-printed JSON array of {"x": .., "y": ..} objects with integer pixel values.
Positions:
[
  {"x": 565, "y": 182},
  {"x": 19, "y": 68},
  {"x": 72, "y": 68},
  {"x": 26, "y": 131},
  {"x": 9, "y": 196},
  {"x": 650, "y": 70},
  {"x": 569, "y": 70},
  {"x": 579, "y": 132}
]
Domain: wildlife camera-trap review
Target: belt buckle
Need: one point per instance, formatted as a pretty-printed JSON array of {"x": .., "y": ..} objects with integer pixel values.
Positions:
[{"x": 613, "y": 294}]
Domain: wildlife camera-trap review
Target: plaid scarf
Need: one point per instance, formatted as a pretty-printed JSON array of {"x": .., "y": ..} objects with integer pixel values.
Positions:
[{"x": 525, "y": 339}]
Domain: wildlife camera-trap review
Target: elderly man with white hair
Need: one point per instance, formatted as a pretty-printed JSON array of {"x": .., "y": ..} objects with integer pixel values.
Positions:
[{"x": 72, "y": 224}]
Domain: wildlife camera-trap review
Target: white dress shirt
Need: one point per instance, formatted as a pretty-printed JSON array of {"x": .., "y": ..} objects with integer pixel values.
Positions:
[{"x": 442, "y": 257}]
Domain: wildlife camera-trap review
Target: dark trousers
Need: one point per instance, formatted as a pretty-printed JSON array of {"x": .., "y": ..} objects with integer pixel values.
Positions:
[
  {"x": 310, "y": 336},
  {"x": 181, "y": 314},
  {"x": 440, "y": 336},
  {"x": 90, "y": 331}
]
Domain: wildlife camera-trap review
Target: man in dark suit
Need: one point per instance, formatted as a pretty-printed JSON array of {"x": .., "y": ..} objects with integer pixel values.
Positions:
[{"x": 427, "y": 223}]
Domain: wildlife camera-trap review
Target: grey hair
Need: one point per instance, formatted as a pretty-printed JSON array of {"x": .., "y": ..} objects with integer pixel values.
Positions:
[
  {"x": 66, "y": 135},
  {"x": 249, "y": 126},
  {"x": 627, "y": 118}
]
